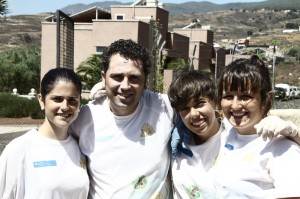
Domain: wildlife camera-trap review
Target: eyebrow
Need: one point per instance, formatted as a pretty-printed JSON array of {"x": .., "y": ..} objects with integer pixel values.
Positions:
[{"x": 68, "y": 97}]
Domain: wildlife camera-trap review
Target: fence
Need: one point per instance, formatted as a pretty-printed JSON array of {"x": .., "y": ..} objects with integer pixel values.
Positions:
[{"x": 11, "y": 128}]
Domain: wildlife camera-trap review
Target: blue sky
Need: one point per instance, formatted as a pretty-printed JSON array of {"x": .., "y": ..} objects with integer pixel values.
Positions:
[{"x": 17, "y": 7}]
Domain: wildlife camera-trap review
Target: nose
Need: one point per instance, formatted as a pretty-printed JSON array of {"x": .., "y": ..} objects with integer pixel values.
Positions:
[
  {"x": 236, "y": 103},
  {"x": 194, "y": 113},
  {"x": 125, "y": 84},
  {"x": 65, "y": 105}
]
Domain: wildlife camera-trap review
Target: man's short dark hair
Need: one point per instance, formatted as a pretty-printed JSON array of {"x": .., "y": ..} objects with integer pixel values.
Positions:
[{"x": 129, "y": 50}]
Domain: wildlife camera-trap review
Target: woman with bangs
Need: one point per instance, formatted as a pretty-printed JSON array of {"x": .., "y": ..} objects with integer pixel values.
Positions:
[{"x": 248, "y": 166}]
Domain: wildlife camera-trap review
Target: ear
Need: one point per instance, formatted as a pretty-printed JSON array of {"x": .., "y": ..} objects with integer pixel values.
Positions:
[
  {"x": 41, "y": 102},
  {"x": 271, "y": 95},
  {"x": 219, "y": 114}
]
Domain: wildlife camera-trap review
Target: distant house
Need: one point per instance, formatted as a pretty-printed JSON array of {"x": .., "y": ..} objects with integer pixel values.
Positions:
[
  {"x": 243, "y": 42},
  {"x": 201, "y": 49}
]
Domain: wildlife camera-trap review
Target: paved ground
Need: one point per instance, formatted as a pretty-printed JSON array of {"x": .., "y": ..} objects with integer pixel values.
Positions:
[
  {"x": 5, "y": 138},
  {"x": 9, "y": 132}
]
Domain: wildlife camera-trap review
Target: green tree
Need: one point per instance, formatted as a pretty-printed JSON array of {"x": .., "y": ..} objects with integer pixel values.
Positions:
[
  {"x": 3, "y": 7},
  {"x": 20, "y": 68},
  {"x": 89, "y": 71},
  {"x": 294, "y": 52},
  {"x": 291, "y": 26},
  {"x": 178, "y": 64}
]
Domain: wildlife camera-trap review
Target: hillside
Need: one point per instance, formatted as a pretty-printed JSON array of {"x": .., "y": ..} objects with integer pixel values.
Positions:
[
  {"x": 235, "y": 24},
  {"x": 227, "y": 24},
  {"x": 21, "y": 30}
]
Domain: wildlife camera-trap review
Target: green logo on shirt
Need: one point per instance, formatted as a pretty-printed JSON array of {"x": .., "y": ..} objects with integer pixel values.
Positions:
[
  {"x": 194, "y": 192},
  {"x": 140, "y": 182}
]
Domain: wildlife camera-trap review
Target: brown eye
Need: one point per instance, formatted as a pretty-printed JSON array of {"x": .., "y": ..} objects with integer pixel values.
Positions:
[
  {"x": 73, "y": 101},
  {"x": 227, "y": 97},
  {"x": 200, "y": 103},
  {"x": 134, "y": 79},
  {"x": 184, "y": 110},
  {"x": 118, "y": 78},
  {"x": 246, "y": 97},
  {"x": 57, "y": 99}
]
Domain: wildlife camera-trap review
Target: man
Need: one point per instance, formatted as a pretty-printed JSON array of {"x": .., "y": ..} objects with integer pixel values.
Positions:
[{"x": 125, "y": 134}]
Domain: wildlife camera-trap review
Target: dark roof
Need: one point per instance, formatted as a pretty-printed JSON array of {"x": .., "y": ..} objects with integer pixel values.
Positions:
[
  {"x": 86, "y": 15},
  {"x": 90, "y": 14}
]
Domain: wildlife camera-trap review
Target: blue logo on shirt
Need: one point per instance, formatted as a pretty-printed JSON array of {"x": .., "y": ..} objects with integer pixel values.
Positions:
[
  {"x": 229, "y": 147},
  {"x": 46, "y": 163}
]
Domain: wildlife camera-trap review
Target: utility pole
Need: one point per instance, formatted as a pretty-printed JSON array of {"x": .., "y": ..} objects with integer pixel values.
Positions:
[
  {"x": 216, "y": 67},
  {"x": 274, "y": 60}
]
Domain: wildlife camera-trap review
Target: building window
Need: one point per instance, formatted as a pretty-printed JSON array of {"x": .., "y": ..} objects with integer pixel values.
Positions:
[
  {"x": 119, "y": 16},
  {"x": 99, "y": 49}
]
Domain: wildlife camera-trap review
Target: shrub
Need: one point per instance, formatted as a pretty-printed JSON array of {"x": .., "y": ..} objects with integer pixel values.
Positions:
[
  {"x": 288, "y": 62},
  {"x": 84, "y": 101},
  {"x": 12, "y": 106}
]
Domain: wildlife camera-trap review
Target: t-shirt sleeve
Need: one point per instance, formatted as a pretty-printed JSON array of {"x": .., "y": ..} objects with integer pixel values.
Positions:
[
  {"x": 285, "y": 168},
  {"x": 82, "y": 129},
  {"x": 11, "y": 172},
  {"x": 169, "y": 108}
]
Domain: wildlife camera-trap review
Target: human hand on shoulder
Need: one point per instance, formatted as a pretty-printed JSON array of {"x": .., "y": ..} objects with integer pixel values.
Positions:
[
  {"x": 273, "y": 126},
  {"x": 98, "y": 90}
]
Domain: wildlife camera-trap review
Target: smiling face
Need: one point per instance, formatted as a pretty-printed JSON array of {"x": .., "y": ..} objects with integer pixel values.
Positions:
[
  {"x": 199, "y": 117},
  {"x": 245, "y": 93},
  {"x": 61, "y": 104},
  {"x": 243, "y": 110},
  {"x": 193, "y": 94},
  {"x": 124, "y": 83}
]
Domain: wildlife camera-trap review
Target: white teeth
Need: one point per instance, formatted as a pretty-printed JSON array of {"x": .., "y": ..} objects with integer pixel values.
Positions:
[
  {"x": 198, "y": 122},
  {"x": 65, "y": 115},
  {"x": 238, "y": 114}
]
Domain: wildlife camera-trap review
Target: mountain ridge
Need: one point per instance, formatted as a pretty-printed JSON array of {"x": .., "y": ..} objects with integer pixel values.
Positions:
[{"x": 191, "y": 7}]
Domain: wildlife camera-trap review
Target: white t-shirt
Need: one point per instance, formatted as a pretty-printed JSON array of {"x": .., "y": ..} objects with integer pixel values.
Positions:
[
  {"x": 129, "y": 155},
  {"x": 190, "y": 174},
  {"x": 33, "y": 166},
  {"x": 248, "y": 167}
]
